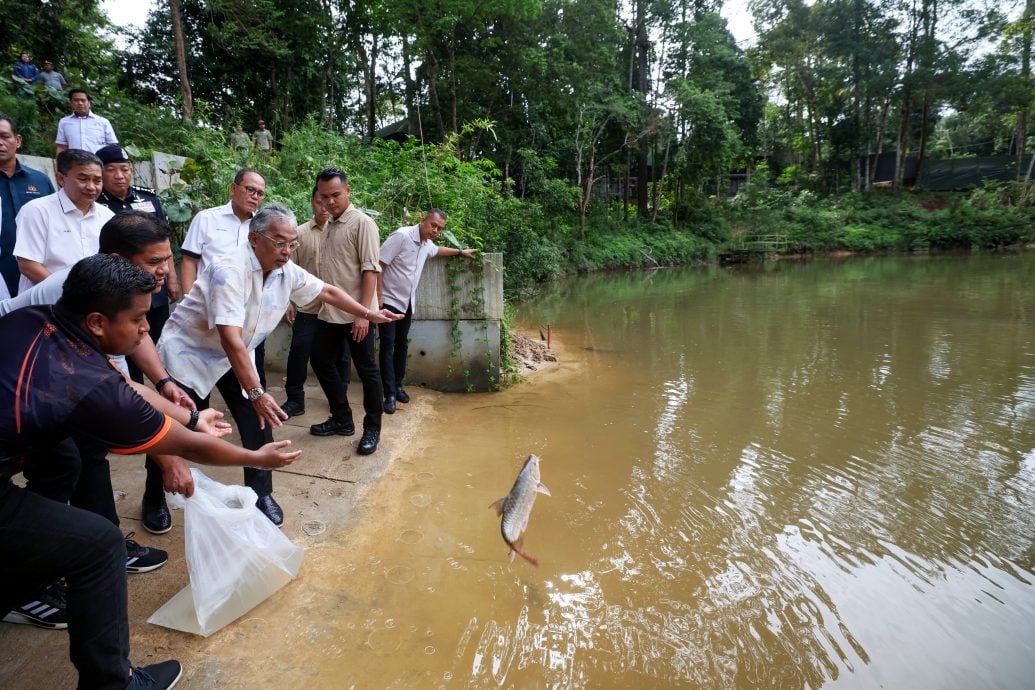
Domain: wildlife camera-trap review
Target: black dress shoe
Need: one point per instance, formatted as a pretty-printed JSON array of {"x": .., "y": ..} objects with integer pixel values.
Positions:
[
  {"x": 270, "y": 509},
  {"x": 390, "y": 404},
  {"x": 293, "y": 408},
  {"x": 401, "y": 395},
  {"x": 156, "y": 516},
  {"x": 332, "y": 427},
  {"x": 368, "y": 444}
]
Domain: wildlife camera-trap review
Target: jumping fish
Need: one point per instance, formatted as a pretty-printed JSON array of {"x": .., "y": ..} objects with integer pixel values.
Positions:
[{"x": 516, "y": 507}]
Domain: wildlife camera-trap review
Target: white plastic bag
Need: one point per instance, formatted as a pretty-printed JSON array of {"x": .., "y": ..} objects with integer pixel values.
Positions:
[{"x": 236, "y": 558}]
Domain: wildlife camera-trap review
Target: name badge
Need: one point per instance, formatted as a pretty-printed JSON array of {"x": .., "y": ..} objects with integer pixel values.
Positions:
[{"x": 147, "y": 206}]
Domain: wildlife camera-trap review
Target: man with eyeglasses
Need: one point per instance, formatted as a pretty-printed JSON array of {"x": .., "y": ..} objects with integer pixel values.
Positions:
[
  {"x": 221, "y": 229},
  {"x": 235, "y": 303},
  {"x": 213, "y": 233}
]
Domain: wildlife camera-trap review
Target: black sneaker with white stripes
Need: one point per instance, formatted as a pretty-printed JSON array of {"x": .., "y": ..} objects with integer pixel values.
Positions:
[
  {"x": 156, "y": 676},
  {"x": 143, "y": 559},
  {"x": 45, "y": 611}
]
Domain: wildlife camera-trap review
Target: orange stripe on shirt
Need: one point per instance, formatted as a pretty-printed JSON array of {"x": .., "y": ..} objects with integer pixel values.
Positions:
[
  {"x": 144, "y": 446},
  {"x": 23, "y": 380}
]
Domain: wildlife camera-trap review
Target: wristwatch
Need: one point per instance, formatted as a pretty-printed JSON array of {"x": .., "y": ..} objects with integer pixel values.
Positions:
[{"x": 255, "y": 393}]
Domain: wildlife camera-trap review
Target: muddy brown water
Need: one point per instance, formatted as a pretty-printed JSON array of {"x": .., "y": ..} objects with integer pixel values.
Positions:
[{"x": 797, "y": 475}]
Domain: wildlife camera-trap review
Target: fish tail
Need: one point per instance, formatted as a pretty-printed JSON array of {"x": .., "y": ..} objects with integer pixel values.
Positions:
[{"x": 516, "y": 548}]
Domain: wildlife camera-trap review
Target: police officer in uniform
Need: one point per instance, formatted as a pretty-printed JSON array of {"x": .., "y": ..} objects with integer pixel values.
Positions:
[{"x": 120, "y": 195}]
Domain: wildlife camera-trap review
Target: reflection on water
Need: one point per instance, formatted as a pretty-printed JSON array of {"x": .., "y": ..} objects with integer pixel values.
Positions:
[{"x": 796, "y": 476}]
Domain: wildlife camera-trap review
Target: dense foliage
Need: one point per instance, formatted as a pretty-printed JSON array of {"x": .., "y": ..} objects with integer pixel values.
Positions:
[{"x": 569, "y": 134}]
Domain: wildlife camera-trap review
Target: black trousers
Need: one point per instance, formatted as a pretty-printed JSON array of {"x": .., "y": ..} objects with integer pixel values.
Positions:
[
  {"x": 303, "y": 330},
  {"x": 331, "y": 342},
  {"x": 74, "y": 471},
  {"x": 394, "y": 344},
  {"x": 246, "y": 421},
  {"x": 42, "y": 540}
]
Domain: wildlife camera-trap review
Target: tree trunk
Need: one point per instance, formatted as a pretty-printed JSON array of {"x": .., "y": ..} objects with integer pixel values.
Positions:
[
  {"x": 1022, "y": 116},
  {"x": 187, "y": 104},
  {"x": 642, "y": 86}
]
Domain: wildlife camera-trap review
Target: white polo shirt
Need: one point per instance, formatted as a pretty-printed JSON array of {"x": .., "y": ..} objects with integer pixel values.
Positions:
[
  {"x": 404, "y": 256},
  {"x": 89, "y": 133},
  {"x": 214, "y": 232},
  {"x": 229, "y": 292},
  {"x": 53, "y": 232}
]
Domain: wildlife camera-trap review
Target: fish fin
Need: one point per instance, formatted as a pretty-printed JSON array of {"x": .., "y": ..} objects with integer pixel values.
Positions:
[
  {"x": 510, "y": 556},
  {"x": 516, "y": 547},
  {"x": 543, "y": 490},
  {"x": 498, "y": 506}
]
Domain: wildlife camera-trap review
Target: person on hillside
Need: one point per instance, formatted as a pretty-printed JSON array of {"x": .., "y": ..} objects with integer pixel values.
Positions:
[
  {"x": 240, "y": 142},
  {"x": 72, "y": 388},
  {"x": 236, "y": 302},
  {"x": 57, "y": 230},
  {"x": 51, "y": 78},
  {"x": 263, "y": 140},
  {"x": 403, "y": 256},
  {"x": 76, "y": 471},
  {"x": 83, "y": 129},
  {"x": 19, "y": 184},
  {"x": 25, "y": 69},
  {"x": 304, "y": 317},
  {"x": 348, "y": 260}
]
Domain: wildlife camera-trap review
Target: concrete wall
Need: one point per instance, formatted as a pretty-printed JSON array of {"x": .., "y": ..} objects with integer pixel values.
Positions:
[
  {"x": 161, "y": 172},
  {"x": 432, "y": 363}
]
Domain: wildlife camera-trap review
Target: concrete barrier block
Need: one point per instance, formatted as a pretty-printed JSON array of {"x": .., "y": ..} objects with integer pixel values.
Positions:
[
  {"x": 476, "y": 366},
  {"x": 434, "y": 297}
]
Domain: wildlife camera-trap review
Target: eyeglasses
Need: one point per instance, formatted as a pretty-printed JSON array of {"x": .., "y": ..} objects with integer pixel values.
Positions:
[
  {"x": 280, "y": 244},
  {"x": 253, "y": 191}
]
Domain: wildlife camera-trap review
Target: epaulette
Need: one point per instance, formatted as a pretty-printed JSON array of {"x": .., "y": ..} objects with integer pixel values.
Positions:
[{"x": 145, "y": 190}]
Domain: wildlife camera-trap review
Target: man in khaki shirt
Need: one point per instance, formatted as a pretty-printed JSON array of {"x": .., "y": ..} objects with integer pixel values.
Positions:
[
  {"x": 303, "y": 316},
  {"x": 349, "y": 259}
]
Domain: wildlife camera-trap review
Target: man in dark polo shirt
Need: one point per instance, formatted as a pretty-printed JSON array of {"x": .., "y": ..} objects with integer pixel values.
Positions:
[{"x": 55, "y": 380}]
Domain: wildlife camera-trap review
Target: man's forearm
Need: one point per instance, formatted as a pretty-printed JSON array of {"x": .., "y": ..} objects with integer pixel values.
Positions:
[
  {"x": 145, "y": 356},
  {"x": 240, "y": 358},
  {"x": 188, "y": 273},
  {"x": 33, "y": 270},
  {"x": 368, "y": 287}
]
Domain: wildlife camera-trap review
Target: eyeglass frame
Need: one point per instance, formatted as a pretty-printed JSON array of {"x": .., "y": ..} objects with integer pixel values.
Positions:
[
  {"x": 281, "y": 244},
  {"x": 252, "y": 191}
]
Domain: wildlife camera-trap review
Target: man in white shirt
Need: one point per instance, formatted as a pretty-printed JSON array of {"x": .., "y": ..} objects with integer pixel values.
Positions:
[
  {"x": 403, "y": 256},
  {"x": 237, "y": 300},
  {"x": 57, "y": 230},
  {"x": 82, "y": 129},
  {"x": 221, "y": 229}
]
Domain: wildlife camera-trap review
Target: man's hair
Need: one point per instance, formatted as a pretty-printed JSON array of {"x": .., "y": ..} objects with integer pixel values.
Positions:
[
  {"x": 79, "y": 90},
  {"x": 328, "y": 174},
  {"x": 103, "y": 283},
  {"x": 269, "y": 214},
  {"x": 244, "y": 171},
  {"x": 437, "y": 212},
  {"x": 4, "y": 117},
  {"x": 130, "y": 233},
  {"x": 69, "y": 158}
]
